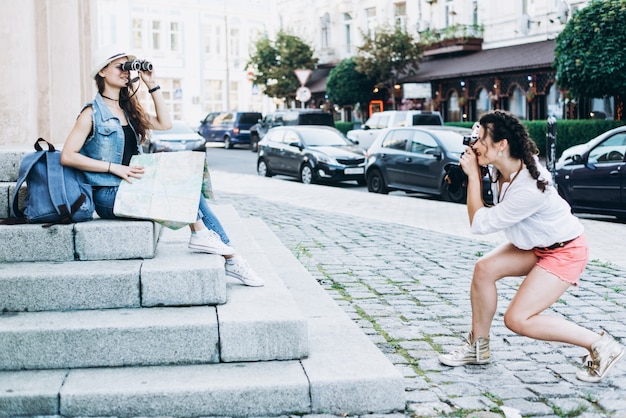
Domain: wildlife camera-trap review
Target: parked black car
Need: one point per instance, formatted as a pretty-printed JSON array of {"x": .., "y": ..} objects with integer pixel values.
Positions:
[
  {"x": 311, "y": 154},
  {"x": 179, "y": 138},
  {"x": 594, "y": 180},
  {"x": 413, "y": 159},
  {"x": 288, "y": 117},
  {"x": 231, "y": 128}
]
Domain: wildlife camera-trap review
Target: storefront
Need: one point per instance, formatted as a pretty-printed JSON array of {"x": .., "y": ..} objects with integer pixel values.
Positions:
[{"x": 518, "y": 78}]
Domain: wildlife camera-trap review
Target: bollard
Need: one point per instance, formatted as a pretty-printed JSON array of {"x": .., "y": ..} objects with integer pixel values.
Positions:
[{"x": 551, "y": 146}]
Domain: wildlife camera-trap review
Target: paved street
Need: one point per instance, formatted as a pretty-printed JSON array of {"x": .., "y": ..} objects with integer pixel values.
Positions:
[{"x": 400, "y": 267}]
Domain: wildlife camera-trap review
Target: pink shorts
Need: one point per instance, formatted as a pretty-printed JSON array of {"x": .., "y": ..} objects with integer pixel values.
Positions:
[{"x": 567, "y": 262}]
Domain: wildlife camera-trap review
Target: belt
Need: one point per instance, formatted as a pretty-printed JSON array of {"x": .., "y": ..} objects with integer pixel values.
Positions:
[{"x": 557, "y": 245}]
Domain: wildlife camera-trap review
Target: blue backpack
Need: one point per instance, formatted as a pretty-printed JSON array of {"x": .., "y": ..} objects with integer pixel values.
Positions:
[{"x": 55, "y": 194}]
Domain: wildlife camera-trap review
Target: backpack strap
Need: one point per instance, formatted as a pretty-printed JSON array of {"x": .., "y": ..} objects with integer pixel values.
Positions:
[
  {"x": 27, "y": 164},
  {"x": 56, "y": 183}
]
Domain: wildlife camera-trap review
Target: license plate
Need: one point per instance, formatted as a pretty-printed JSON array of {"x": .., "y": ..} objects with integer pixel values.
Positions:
[{"x": 355, "y": 170}]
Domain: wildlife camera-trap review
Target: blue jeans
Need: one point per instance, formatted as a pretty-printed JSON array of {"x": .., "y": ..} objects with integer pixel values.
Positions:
[{"x": 104, "y": 199}]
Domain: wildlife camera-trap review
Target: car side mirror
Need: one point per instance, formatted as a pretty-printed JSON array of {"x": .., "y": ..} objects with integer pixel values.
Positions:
[
  {"x": 577, "y": 159},
  {"x": 366, "y": 127},
  {"x": 296, "y": 144}
]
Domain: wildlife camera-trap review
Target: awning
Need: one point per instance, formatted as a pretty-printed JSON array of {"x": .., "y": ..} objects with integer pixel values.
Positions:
[
  {"x": 317, "y": 81},
  {"x": 533, "y": 56}
]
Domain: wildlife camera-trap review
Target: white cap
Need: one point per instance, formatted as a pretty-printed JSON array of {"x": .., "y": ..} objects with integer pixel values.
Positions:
[{"x": 105, "y": 55}]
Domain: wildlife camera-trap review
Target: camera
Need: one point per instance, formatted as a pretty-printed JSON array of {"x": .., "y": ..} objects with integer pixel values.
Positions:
[
  {"x": 455, "y": 176},
  {"x": 136, "y": 65}
]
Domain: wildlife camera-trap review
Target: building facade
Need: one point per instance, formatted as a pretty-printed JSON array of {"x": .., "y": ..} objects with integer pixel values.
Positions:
[{"x": 485, "y": 54}]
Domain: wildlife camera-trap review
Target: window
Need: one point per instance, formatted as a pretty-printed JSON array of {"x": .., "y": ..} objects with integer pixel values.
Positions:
[
  {"x": 423, "y": 144},
  {"x": 213, "y": 96},
  {"x": 233, "y": 45},
  {"x": 137, "y": 33},
  {"x": 397, "y": 139},
  {"x": 400, "y": 15},
  {"x": 234, "y": 95},
  {"x": 175, "y": 36},
  {"x": 517, "y": 103},
  {"x": 347, "y": 22},
  {"x": 156, "y": 35},
  {"x": 325, "y": 30},
  {"x": 483, "y": 104},
  {"x": 610, "y": 151},
  {"x": 454, "y": 111},
  {"x": 371, "y": 21}
]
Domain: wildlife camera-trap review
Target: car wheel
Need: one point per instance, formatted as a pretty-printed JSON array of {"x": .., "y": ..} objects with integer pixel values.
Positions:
[
  {"x": 306, "y": 174},
  {"x": 458, "y": 196},
  {"x": 227, "y": 143},
  {"x": 262, "y": 169},
  {"x": 254, "y": 143},
  {"x": 376, "y": 182}
]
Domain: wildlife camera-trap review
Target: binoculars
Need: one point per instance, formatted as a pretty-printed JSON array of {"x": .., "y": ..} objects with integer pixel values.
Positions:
[{"x": 136, "y": 65}]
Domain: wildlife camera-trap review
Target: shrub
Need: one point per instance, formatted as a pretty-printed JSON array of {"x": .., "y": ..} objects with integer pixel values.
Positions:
[
  {"x": 344, "y": 127},
  {"x": 568, "y": 132}
]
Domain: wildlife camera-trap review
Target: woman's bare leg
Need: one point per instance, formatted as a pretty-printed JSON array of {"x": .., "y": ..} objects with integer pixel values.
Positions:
[
  {"x": 540, "y": 290},
  {"x": 504, "y": 261}
]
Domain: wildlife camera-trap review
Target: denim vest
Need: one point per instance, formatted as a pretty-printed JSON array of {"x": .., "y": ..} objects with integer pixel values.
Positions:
[{"x": 106, "y": 142}]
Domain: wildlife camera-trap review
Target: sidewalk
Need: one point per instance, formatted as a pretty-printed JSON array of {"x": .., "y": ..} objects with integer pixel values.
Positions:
[{"x": 401, "y": 266}]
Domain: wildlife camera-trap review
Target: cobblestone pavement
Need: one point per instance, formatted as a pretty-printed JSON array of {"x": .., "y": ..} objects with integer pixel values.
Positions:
[{"x": 407, "y": 288}]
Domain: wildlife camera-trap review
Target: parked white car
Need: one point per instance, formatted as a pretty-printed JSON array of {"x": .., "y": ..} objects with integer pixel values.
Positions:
[{"x": 391, "y": 119}]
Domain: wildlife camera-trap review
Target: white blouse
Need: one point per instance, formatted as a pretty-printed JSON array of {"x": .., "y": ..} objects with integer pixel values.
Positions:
[{"x": 529, "y": 217}]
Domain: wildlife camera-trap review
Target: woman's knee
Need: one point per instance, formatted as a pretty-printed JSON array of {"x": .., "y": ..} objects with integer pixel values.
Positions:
[
  {"x": 514, "y": 322},
  {"x": 485, "y": 271}
]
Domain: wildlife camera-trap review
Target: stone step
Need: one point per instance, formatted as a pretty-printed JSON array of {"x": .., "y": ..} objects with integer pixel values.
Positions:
[
  {"x": 105, "y": 338},
  {"x": 257, "y": 324},
  {"x": 99, "y": 239},
  {"x": 344, "y": 373},
  {"x": 174, "y": 277}
]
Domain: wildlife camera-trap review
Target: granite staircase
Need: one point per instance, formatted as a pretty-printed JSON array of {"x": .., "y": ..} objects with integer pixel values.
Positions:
[{"x": 118, "y": 318}]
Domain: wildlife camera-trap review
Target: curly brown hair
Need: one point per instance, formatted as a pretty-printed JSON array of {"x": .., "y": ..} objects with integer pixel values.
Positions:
[
  {"x": 504, "y": 125},
  {"x": 133, "y": 109}
]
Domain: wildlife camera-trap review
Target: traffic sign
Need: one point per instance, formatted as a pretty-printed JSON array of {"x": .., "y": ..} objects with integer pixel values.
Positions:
[
  {"x": 303, "y": 94},
  {"x": 303, "y": 76}
]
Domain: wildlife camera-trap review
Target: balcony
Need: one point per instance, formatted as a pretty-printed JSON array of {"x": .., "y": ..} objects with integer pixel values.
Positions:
[{"x": 455, "y": 39}]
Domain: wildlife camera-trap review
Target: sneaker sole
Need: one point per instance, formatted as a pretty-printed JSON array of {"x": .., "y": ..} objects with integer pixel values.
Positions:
[
  {"x": 452, "y": 363},
  {"x": 208, "y": 250},
  {"x": 244, "y": 281},
  {"x": 585, "y": 378}
]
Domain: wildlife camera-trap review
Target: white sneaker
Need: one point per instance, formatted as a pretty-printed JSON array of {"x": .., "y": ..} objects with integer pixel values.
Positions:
[
  {"x": 606, "y": 352},
  {"x": 208, "y": 241},
  {"x": 238, "y": 268}
]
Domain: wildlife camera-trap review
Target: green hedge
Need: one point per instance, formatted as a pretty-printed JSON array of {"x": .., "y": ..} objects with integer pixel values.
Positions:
[
  {"x": 344, "y": 127},
  {"x": 568, "y": 132}
]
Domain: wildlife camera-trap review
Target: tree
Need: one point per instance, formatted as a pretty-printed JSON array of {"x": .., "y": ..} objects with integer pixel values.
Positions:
[
  {"x": 346, "y": 86},
  {"x": 273, "y": 63},
  {"x": 386, "y": 56},
  {"x": 590, "y": 58}
]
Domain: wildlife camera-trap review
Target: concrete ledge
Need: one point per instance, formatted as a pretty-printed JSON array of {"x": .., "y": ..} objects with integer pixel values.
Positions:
[
  {"x": 32, "y": 242},
  {"x": 5, "y": 200},
  {"x": 10, "y": 159},
  {"x": 120, "y": 337},
  {"x": 251, "y": 389},
  {"x": 69, "y": 286},
  {"x": 347, "y": 372},
  {"x": 115, "y": 239},
  {"x": 30, "y": 393},
  {"x": 176, "y": 276}
]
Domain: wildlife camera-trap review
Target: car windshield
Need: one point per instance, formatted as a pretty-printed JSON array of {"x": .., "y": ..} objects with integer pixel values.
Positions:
[
  {"x": 452, "y": 141},
  {"x": 322, "y": 137},
  {"x": 177, "y": 128}
]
